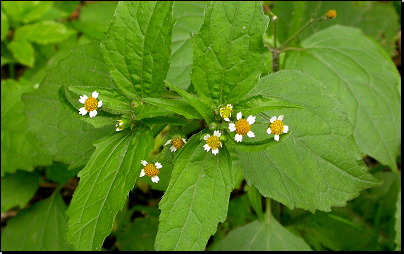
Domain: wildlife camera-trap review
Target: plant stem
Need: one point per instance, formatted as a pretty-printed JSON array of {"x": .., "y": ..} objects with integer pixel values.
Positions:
[
  {"x": 267, "y": 209},
  {"x": 275, "y": 54}
]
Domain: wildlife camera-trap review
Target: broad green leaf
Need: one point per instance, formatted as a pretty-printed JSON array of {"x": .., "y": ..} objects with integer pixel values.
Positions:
[
  {"x": 196, "y": 199},
  {"x": 4, "y": 26},
  {"x": 41, "y": 227},
  {"x": 43, "y": 32},
  {"x": 306, "y": 169},
  {"x": 22, "y": 51},
  {"x": 94, "y": 18},
  {"x": 110, "y": 97},
  {"x": 188, "y": 17},
  {"x": 25, "y": 11},
  {"x": 257, "y": 104},
  {"x": 166, "y": 119},
  {"x": 140, "y": 236},
  {"x": 204, "y": 110},
  {"x": 67, "y": 137},
  {"x": 148, "y": 110},
  {"x": 59, "y": 173},
  {"x": 397, "y": 227},
  {"x": 262, "y": 236},
  {"x": 229, "y": 53},
  {"x": 19, "y": 149},
  {"x": 138, "y": 47},
  {"x": 351, "y": 67},
  {"x": 179, "y": 106},
  {"x": 104, "y": 184},
  {"x": 17, "y": 189}
]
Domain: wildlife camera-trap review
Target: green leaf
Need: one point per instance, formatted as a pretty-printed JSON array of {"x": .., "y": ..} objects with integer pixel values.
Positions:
[
  {"x": 369, "y": 98},
  {"x": 4, "y": 26},
  {"x": 147, "y": 111},
  {"x": 296, "y": 22},
  {"x": 43, "y": 32},
  {"x": 305, "y": 170},
  {"x": 67, "y": 137},
  {"x": 25, "y": 11},
  {"x": 228, "y": 51},
  {"x": 22, "y": 51},
  {"x": 196, "y": 199},
  {"x": 189, "y": 18},
  {"x": 19, "y": 149},
  {"x": 256, "y": 146},
  {"x": 397, "y": 226},
  {"x": 179, "y": 106},
  {"x": 262, "y": 236},
  {"x": 17, "y": 189},
  {"x": 41, "y": 227},
  {"x": 138, "y": 47},
  {"x": 94, "y": 18},
  {"x": 204, "y": 110},
  {"x": 257, "y": 104},
  {"x": 140, "y": 236},
  {"x": 59, "y": 173},
  {"x": 255, "y": 199},
  {"x": 111, "y": 98},
  {"x": 105, "y": 183}
]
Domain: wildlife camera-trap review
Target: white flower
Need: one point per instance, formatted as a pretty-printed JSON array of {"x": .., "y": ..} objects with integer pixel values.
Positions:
[
  {"x": 277, "y": 127},
  {"x": 212, "y": 142},
  {"x": 151, "y": 170},
  {"x": 225, "y": 112},
  {"x": 177, "y": 143},
  {"x": 242, "y": 127},
  {"x": 90, "y": 104},
  {"x": 119, "y": 125}
]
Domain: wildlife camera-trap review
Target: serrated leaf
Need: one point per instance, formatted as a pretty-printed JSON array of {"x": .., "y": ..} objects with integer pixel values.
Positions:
[
  {"x": 25, "y": 11},
  {"x": 67, "y": 137},
  {"x": 196, "y": 199},
  {"x": 228, "y": 51},
  {"x": 369, "y": 97},
  {"x": 19, "y": 149},
  {"x": 319, "y": 165},
  {"x": 179, "y": 106},
  {"x": 17, "y": 189},
  {"x": 262, "y": 236},
  {"x": 104, "y": 184},
  {"x": 188, "y": 19},
  {"x": 138, "y": 47},
  {"x": 41, "y": 227},
  {"x": 22, "y": 51},
  {"x": 43, "y": 32}
]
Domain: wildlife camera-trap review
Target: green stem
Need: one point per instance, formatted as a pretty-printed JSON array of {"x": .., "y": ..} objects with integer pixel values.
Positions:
[
  {"x": 317, "y": 9},
  {"x": 267, "y": 209},
  {"x": 275, "y": 53}
]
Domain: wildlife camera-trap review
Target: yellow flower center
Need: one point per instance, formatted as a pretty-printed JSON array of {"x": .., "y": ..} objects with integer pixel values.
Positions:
[
  {"x": 331, "y": 14},
  {"x": 242, "y": 127},
  {"x": 178, "y": 142},
  {"x": 276, "y": 127},
  {"x": 213, "y": 142},
  {"x": 226, "y": 112},
  {"x": 151, "y": 170},
  {"x": 91, "y": 104}
]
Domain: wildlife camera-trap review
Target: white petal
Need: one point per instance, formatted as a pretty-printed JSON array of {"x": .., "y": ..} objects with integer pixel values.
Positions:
[
  {"x": 226, "y": 119},
  {"x": 269, "y": 131},
  {"x": 251, "y": 134},
  {"x": 239, "y": 115},
  {"x": 217, "y": 133},
  {"x": 206, "y": 147},
  {"x": 220, "y": 144},
  {"x": 99, "y": 104},
  {"x": 206, "y": 137},
  {"x": 158, "y": 165},
  {"x": 173, "y": 149},
  {"x": 94, "y": 95},
  {"x": 285, "y": 129},
  {"x": 216, "y": 151},
  {"x": 93, "y": 113},
  {"x": 117, "y": 129},
  {"x": 251, "y": 119},
  {"x": 83, "y": 99},
  {"x": 168, "y": 142},
  {"x": 273, "y": 119},
  {"x": 280, "y": 117},
  {"x": 229, "y": 105},
  {"x": 142, "y": 173},
  {"x": 82, "y": 111},
  {"x": 276, "y": 137},
  {"x": 238, "y": 138},
  {"x": 155, "y": 179},
  {"x": 232, "y": 127},
  {"x": 144, "y": 163},
  {"x": 184, "y": 140}
]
